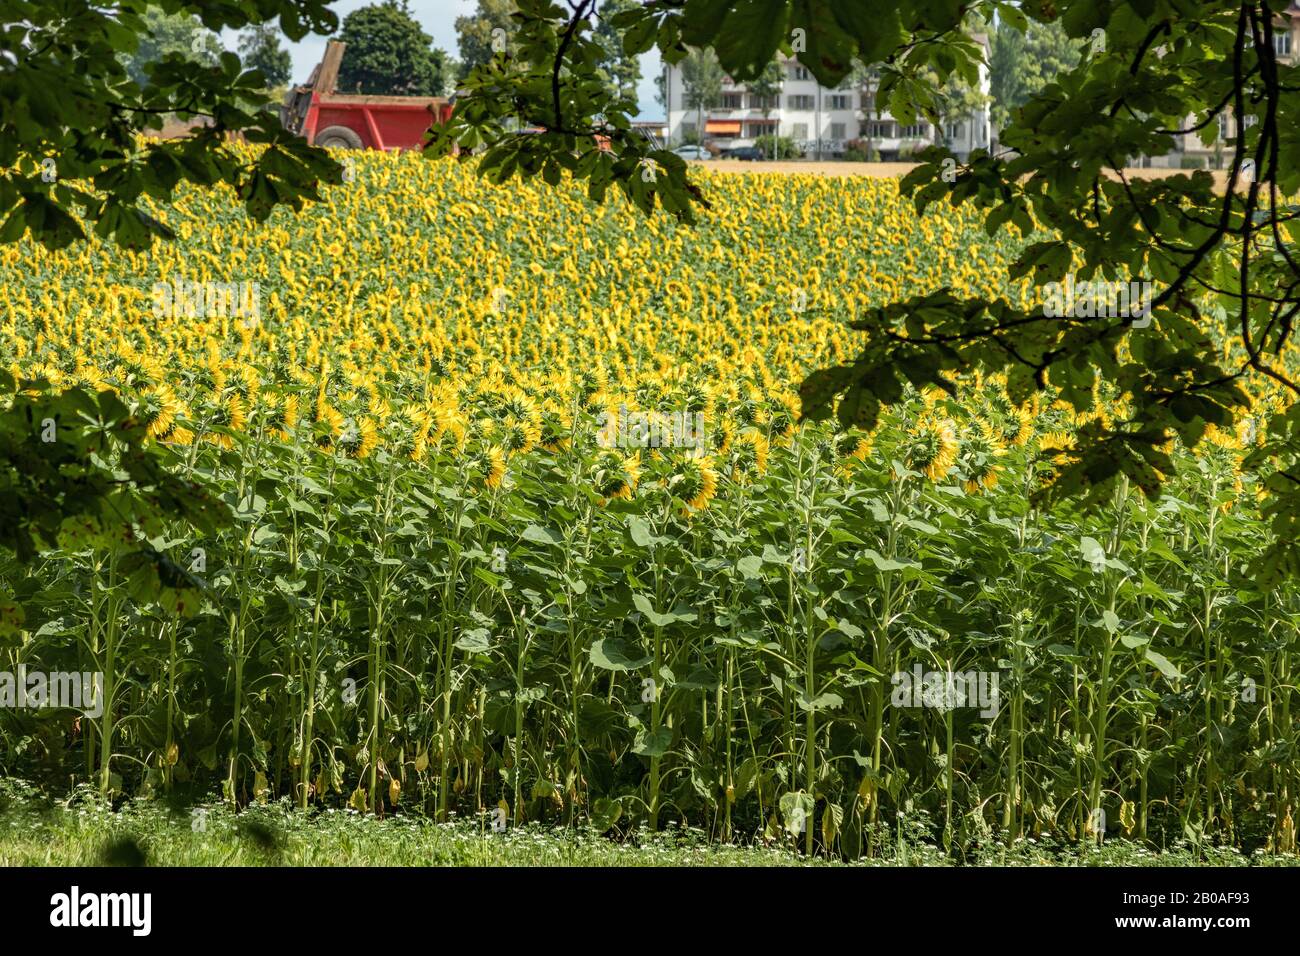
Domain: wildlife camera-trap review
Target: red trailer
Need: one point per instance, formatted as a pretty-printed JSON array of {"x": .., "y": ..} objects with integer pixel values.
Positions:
[{"x": 326, "y": 118}]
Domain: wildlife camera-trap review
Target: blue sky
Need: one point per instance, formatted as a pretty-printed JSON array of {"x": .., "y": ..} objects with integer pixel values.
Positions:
[{"x": 437, "y": 17}]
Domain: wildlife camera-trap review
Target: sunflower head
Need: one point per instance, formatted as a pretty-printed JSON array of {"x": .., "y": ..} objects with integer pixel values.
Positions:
[
  {"x": 979, "y": 459},
  {"x": 228, "y": 414},
  {"x": 591, "y": 381},
  {"x": 488, "y": 466},
  {"x": 932, "y": 447},
  {"x": 853, "y": 445},
  {"x": 616, "y": 474},
  {"x": 749, "y": 408},
  {"x": 1014, "y": 425},
  {"x": 139, "y": 369},
  {"x": 328, "y": 424},
  {"x": 650, "y": 392},
  {"x": 158, "y": 410},
  {"x": 697, "y": 396},
  {"x": 1056, "y": 445},
  {"x": 748, "y": 453},
  {"x": 555, "y": 436},
  {"x": 438, "y": 366},
  {"x": 513, "y": 401},
  {"x": 782, "y": 416},
  {"x": 280, "y": 414},
  {"x": 359, "y": 440},
  {"x": 1222, "y": 437},
  {"x": 695, "y": 482},
  {"x": 408, "y": 433},
  {"x": 517, "y": 434}
]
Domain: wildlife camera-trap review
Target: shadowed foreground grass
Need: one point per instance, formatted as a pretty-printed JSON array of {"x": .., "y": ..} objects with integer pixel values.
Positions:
[{"x": 44, "y": 833}]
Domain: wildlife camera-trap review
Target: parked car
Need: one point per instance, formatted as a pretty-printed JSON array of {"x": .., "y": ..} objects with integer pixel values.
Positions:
[
  {"x": 692, "y": 152},
  {"x": 747, "y": 153}
]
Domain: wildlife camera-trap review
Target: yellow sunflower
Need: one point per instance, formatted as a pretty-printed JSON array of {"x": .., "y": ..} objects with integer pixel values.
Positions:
[
  {"x": 979, "y": 460},
  {"x": 554, "y": 436},
  {"x": 617, "y": 475},
  {"x": 281, "y": 415},
  {"x": 1017, "y": 426},
  {"x": 695, "y": 482},
  {"x": 446, "y": 422},
  {"x": 489, "y": 466},
  {"x": 361, "y": 440},
  {"x": 1056, "y": 444},
  {"x": 517, "y": 434},
  {"x": 228, "y": 414},
  {"x": 932, "y": 447},
  {"x": 851, "y": 447},
  {"x": 159, "y": 409},
  {"x": 749, "y": 454},
  {"x": 329, "y": 423}
]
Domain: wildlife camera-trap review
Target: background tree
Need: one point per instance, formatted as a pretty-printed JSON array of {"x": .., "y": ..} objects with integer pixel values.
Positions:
[
  {"x": 260, "y": 49},
  {"x": 701, "y": 84},
  {"x": 865, "y": 78},
  {"x": 389, "y": 54},
  {"x": 960, "y": 101},
  {"x": 1022, "y": 63},
  {"x": 767, "y": 85},
  {"x": 474, "y": 33},
  {"x": 778, "y": 147},
  {"x": 623, "y": 71},
  {"x": 180, "y": 33}
]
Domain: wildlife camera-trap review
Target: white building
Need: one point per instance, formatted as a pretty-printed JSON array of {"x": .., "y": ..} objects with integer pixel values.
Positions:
[
  {"x": 821, "y": 121},
  {"x": 1189, "y": 151}
]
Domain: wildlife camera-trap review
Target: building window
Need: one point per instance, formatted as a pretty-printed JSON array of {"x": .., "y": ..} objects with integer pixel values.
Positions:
[
  {"x": 1223, "y": 126},
  {"x": 883, "y": 130},
  {"x": 956, "y": 130},
  {"x": 800, "y": 101},
  {"x": 798, "y": 72},
  {"x": 837, "y": 132},
  {"x": 915, "y": 131},
  {"x": 799, "y": 131},
  {"x": 730, "y": 101},
  {"x": 757, "y": 102},
  {"x": 1282, "y": 44},
  {"x": 838, "y": 101}
]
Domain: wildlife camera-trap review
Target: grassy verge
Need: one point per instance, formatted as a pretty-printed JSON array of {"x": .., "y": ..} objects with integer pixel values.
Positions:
[{"x": 43, "y": 833}]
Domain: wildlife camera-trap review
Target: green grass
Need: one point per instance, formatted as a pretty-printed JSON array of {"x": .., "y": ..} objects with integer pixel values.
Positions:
[
  {"x": 77, "y": 833},
  {"x": 90, "y": 836}
]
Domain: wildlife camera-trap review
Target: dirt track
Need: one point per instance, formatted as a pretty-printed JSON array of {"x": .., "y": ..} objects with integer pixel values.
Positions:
[
  {"x": 885, "y": 170},
  {"x": 828, "y": 168}
]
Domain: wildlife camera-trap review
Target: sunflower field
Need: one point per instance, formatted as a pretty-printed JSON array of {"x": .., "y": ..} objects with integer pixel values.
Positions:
[{"x": 474, "y": 565}]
